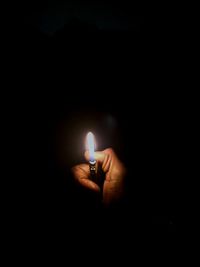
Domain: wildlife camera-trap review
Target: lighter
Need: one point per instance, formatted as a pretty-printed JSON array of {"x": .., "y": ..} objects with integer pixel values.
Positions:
[{"x": 93, "y": 170}]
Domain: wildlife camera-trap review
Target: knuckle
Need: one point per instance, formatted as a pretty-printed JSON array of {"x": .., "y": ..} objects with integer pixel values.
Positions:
[
  {"x": 73, "y": 168},
  {"x": 110, "y": 150}
]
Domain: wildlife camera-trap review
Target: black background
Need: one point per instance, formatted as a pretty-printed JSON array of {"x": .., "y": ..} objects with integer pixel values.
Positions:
[{"x": 111, "y": 71}]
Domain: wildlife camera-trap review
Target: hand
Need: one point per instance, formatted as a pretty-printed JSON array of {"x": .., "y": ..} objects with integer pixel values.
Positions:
[{"x": 113, "y": 170}]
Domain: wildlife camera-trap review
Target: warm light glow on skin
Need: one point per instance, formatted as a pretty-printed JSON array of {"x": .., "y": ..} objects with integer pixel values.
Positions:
[{"x": 90, "y": 145}]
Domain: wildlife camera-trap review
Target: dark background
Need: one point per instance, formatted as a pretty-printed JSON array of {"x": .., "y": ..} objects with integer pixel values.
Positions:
[{"x": 107, "y": 68}]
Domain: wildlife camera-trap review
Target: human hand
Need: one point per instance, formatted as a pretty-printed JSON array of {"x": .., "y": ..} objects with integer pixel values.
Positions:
[{"x": 113, "y": 171}]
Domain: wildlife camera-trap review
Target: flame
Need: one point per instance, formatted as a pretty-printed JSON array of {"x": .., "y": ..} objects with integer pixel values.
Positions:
[{"x": 90, "y": 146}]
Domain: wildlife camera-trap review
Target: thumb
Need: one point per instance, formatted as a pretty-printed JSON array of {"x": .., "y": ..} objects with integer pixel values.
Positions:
[
  {"x": 103, "y": 157},
  {"x": 98, "y": 155}
]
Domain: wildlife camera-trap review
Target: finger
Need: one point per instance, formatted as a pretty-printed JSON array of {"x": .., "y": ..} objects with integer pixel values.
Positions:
[
  {"x": 82, "y": 175},
  {"x": 99, "y": 155},
  {"x": 104, "y": 157}
]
